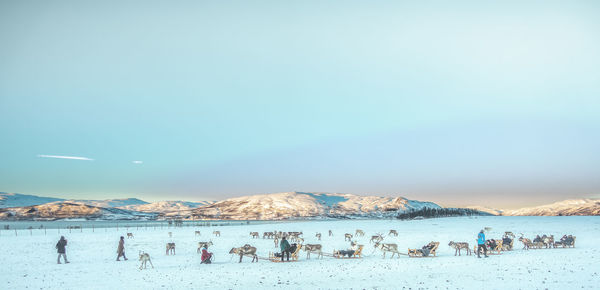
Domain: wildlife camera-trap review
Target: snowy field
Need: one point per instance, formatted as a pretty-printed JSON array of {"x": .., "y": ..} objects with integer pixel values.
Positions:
[{"x": 30, "y": 261}]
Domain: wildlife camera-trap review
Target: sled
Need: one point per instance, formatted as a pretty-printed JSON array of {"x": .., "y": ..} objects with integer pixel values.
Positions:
[
  {"x": 293, "y": 256},
  {"x": 356, "y": 255},
  {"x": 489, "y": 251},
  {"x": 276, "y": 259},
  {"x": 416, "y": 253}
]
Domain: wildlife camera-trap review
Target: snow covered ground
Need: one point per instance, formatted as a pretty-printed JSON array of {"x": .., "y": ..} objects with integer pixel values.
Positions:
[{"x": 30, "y": 261}]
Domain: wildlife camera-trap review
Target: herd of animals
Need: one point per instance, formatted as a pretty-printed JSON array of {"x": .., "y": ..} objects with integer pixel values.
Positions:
[{"x": 493, "y": 245}]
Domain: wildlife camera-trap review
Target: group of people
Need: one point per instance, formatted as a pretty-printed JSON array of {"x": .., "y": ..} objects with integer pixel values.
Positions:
[
  {"x": 286, "y": 248},
  {"x": 62, "y": 243}
]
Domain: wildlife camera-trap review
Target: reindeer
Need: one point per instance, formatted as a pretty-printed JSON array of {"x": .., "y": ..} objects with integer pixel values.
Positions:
[
  {"x": 246, "y": 250},
  {"x": 268, "y": 235},
  {"x": 393, "y": 248},
  {"x": 202, "y": 245},
  {"x": 330, "y": 233},
  {"x": 359, "y": 233},
  {"x": 292, "y": 237},
  {"x": 347, "y": 237},
  {"x": 314, "y": 248},
  {"x": 170, "y": 234},
  {"x": 458, "y": 246},
  {"x": 548, "y": 241},
  {"x": 318, "y": 236},
  {"x": 509, "y": 234},
  {"x": 217, "y": 233},
  {"x": 254, "y": 235},
  {"x": 171, "y": 248},
  {"x": 130, "y": 235},
  {"x": 526, "y": 243},
  {"x": 393, "y": 232},
  {"x": 377, "y": 238},
  {"x": 145, "y": 258},
  {"x": 197, "y": 233}
]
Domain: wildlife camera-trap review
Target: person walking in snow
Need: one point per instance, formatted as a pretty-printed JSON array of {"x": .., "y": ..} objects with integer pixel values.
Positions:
[
  {"x": 481, "y": 244},
  {"x": 60, "y": 247},
  {"x": 121, "y": 249},
  {"x": 285, "y": 248}
]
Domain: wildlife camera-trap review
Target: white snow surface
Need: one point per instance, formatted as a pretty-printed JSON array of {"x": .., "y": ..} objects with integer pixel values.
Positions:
[{"x": 30, "y": 261}]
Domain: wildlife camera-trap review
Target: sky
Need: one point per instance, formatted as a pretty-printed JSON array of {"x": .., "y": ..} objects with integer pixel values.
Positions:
[{"x": 493, "y": 103}]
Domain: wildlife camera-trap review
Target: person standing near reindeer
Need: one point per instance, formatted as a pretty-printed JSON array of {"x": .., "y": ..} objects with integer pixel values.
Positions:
[
  {"x": 285, "y": 248},
  {"x": 60, "y": 248},
  {"x": 481, "y": 244},
  {"x": 121, "y": 249}
]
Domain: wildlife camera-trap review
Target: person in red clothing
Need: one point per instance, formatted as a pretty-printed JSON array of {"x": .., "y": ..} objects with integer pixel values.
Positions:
[{"x": 206, "y": 256}]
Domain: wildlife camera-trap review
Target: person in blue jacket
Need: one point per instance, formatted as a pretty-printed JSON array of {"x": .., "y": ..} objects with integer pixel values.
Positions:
[{"x": 481, "y": 244}]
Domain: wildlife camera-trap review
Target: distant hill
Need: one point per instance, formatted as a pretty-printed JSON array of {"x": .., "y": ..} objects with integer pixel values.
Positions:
[
  {"x": 18, "y": 200},
  {"x": 62, "y": 210},
  {"x": 119, "y": 203},
  {"x": 491, "y": 211},
  {"x": 276, "y": 206},
  {"x": 166, "y": 206},
  {"x": 561, "y": 208},
  {"x": 307, "y": 205}
]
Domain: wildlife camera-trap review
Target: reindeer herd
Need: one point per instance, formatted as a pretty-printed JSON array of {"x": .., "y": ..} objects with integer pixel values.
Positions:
[{"x": 493, "y": 245}]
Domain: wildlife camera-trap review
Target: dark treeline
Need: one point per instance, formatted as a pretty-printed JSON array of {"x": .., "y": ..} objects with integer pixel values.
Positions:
[{"x": 440, "y": 212}]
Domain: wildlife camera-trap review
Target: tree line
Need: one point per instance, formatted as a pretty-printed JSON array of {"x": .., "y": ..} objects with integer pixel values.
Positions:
[{"x": 428, "y": 212}]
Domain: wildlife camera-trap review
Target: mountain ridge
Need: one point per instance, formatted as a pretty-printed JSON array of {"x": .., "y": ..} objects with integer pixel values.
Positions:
[{"x": 273, "y": 206}]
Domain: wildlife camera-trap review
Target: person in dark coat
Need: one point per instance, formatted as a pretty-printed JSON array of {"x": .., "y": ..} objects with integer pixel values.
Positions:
[
  {"x": 60, "y": 248},
  {"x": 121, "y": 249},
  {"x": 481, "y": 244},
  {"x": 285, "y": 248}
]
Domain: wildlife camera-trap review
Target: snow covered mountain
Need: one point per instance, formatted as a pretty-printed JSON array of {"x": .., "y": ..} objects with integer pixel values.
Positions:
[
  {"x": 62, "y": 210},
  {"x": 18, "y": 200},
  {"x": 565, "y": 207},
  {"x": 166, "y": 206},
  {"x": 256, "y": 207},
  {"x": 119, "y": 203},
  {"x": 307, "y": 205}
]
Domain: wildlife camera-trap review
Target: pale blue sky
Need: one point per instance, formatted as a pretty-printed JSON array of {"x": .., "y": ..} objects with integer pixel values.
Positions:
[{"x": 456, "y": 102}]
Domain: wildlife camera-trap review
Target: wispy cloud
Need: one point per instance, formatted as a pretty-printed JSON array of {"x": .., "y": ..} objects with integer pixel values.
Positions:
[
  {"x": 137, "y": 162},
  {"x": 65, "y": 157}
]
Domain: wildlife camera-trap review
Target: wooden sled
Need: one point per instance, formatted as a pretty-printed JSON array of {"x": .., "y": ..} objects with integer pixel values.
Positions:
[
  {"x": 508, "y": 247},
  {"x": 356, "y": 255},
  {"x": 293, "y": 256},
  {"x": 275, "y": 259},
  {"x": 495, "y": 251},
  {"x": 416, "y": 253}
]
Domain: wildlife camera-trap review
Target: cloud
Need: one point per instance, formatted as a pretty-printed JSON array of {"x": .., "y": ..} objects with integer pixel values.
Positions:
[
  {"x": 65, "y": 157},
  {"x": 137, "y": 162}
]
